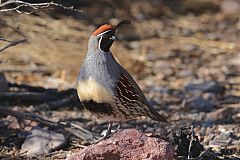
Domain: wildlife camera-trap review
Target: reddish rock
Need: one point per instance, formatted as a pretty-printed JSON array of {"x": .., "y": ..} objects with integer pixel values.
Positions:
[{"x": 128, "y": 144}]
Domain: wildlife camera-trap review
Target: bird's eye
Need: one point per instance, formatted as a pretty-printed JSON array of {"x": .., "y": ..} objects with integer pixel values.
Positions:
[{"x": 104, "y": 36}]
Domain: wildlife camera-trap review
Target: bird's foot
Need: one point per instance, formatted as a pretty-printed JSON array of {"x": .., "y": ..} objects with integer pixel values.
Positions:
[
  {"x": 102, "y": 138},
  {"x": 118, "y": 127},
  {"x": 106, "y": 135}
]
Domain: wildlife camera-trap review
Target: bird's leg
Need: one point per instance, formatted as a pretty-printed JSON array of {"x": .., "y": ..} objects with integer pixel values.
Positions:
[
  {"x": 107, "y": 134},
  {"x": 119, "y": 126},
  {"x": 108, "y": 130}
]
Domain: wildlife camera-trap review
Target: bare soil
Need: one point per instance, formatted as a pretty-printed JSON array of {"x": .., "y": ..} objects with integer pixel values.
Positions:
[{"x": 168, "y": 46}]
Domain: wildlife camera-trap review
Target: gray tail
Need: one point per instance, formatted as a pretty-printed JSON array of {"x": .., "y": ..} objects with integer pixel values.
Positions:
[{"x": 156, "y": 116}]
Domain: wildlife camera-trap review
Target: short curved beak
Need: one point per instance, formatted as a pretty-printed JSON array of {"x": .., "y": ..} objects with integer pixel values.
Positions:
[{"x": 113, "y": 37}]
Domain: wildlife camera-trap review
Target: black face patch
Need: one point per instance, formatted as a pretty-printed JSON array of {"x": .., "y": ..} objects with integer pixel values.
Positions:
[
  {"x": 98, "y": 108},
  {"x": 106, "y": 41}
]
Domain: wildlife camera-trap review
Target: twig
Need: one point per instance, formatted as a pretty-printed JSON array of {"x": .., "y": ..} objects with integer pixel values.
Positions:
[
  {"x": 205, "y": 152},
  {"x": 17, "y": 30},
  {"x": 15, "y": 42},
  {"x": 40, "y": 97},
  {"x": 71, "y": 128},
  {"x": 79, "y": 145},
  {"x": 55, "y": 104},
  {"x": 12, "y": 43},
  {"x": 5, "y": 40},
  {"x": 32, "y": 88},
  {"x": 27, "y": 96},
  {"x": 25, "y": 68},
  {"x": 190, "y": 144},
  {"x": 28, "y": 116},
  {"x": 229, "y": 99},
  {"x": 33, "y": 6}
]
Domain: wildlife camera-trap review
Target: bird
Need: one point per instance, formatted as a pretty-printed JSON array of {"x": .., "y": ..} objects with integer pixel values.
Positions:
[{"x": 105, "y": 88}]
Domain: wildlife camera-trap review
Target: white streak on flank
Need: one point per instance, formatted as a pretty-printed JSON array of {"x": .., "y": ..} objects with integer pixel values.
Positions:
[{"x": 91, "y": 90}]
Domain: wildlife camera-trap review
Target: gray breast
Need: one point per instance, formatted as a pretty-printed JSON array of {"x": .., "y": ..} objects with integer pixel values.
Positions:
[{"x": 102, "y": 67}]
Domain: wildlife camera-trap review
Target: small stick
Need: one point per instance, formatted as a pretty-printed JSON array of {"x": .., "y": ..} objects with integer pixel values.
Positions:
[
  {"x": 34, "y": 6},
  {"x": 71, "y": 128},
  {"x": 205, "y": 152},
  {"x": 27, "y": 96},
  {"x": 190, "y": 144},
  {"x": 55, "y": 104},
  {"x": 13, "y": 43},
  {"x": 32, "y": 88}
]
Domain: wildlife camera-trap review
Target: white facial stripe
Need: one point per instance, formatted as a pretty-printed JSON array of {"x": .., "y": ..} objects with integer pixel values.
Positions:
[
  {"x": 99, "y": 43},
  {"x": 100, "y": 34}
]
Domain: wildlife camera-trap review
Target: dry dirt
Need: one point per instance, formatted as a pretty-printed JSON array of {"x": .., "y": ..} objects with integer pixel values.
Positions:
[{"x": 169, "y": 45}]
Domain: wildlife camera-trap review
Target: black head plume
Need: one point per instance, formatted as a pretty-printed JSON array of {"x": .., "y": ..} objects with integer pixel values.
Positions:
[
  {"x": 106, "y": 40},
  {"x": 118, "y": 25},
  {"x": 121, "y": 23}
]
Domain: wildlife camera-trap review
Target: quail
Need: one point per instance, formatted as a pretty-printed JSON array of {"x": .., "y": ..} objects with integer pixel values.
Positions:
[{"x": 105, "y": 88}]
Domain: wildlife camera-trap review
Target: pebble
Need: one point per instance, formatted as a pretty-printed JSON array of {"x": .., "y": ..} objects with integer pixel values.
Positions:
[
  {"x": 222, "y": 114},
  {"x": 199, "y": 103},
  {"x": 3, "y": 83},
  {"x": 225, "y": 139},
  {"x": 134, "y": 45},
  {"x": 184, "y": 73},
  {"x": 189, "y": 47},
  {"x": 230, "y": 7},
  {"x": 203, "y": 87},
  {"x": 41, "y": 141},
  {"x": 162, "y": 67}
]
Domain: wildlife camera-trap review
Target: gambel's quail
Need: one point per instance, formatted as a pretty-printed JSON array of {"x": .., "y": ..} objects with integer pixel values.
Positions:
[{"x": 105, "y": 88}]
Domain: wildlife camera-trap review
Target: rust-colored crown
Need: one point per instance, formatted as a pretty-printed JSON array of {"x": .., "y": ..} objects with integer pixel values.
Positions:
[
  {"x": 103, "y": 28},
  {"x": 106, "y": 27}
]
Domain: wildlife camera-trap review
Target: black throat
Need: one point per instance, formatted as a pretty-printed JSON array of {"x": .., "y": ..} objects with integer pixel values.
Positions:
[
  {"x": 98, "y": 108},
  {"x": 105, "y": 40}
]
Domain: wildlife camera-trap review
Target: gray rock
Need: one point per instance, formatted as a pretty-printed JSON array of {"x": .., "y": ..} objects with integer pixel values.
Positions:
[
  {"x": 153, "y": 57},
  {"x": 41, "y": 141},
  {"x": 230, "y": 7},
  {"x": 134, "y": 45},
  {"x": 162, "y": 67},
  {"x": 160, "y": 89},
  {"x": 199, "y": 103},
  {"x": 189, "y": 47},
  {"x": 235, "y": 60},
  {"x": 185, "y": 73},
  {"x": 3, "y": 83},
  {"x": 222, "y": 114},
  {"x": 225, "y": 139},
  {"x": 205, "y": 87}
]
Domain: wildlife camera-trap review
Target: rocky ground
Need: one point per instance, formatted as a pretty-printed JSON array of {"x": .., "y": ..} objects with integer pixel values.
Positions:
[{"x": 184, "y": 55}]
